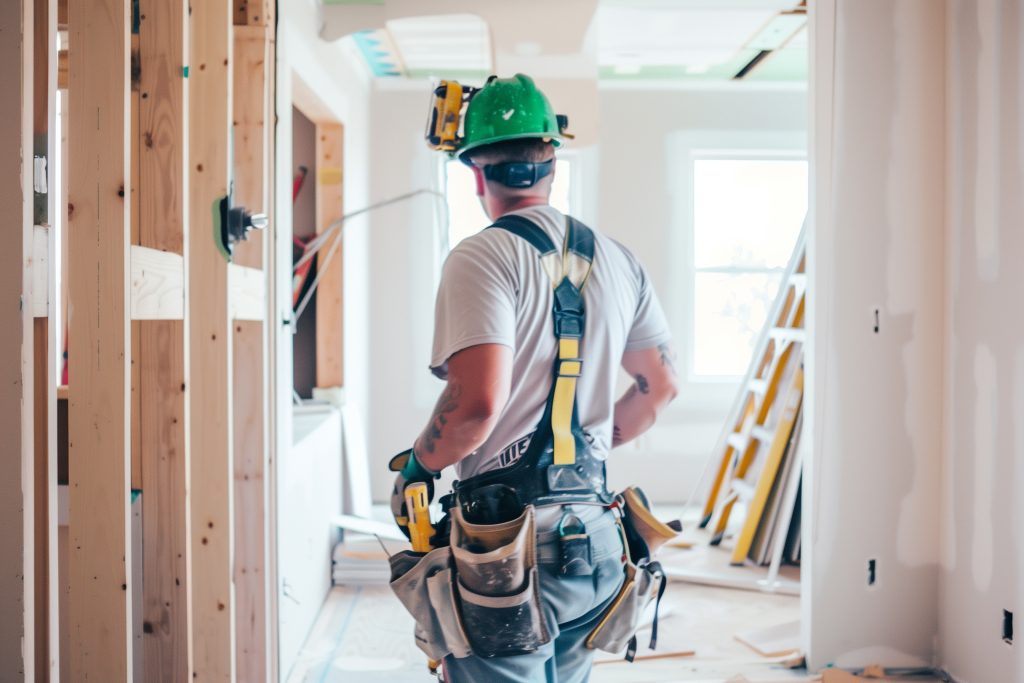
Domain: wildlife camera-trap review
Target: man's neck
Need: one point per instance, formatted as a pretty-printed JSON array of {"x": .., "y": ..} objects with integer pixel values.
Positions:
[{"x": 521, "y": 203}]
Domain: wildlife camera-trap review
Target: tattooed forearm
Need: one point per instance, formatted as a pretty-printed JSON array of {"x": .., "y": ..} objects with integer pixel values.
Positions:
[
  {"x": 643, "y": 385},
  {"x": 447, "y": 404},
  {"x": 616, "y": 436},
  {"x": 668, "y": 357}
]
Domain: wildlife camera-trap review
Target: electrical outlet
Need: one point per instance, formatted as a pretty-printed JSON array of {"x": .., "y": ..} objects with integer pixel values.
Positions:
[
  {"x": 1008, "y": 627},
  {"x": 872, "y": 572}
]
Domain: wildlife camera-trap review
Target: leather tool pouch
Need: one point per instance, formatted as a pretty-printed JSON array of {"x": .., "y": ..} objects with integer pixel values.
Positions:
[
  {"x": 425, "y": 584},
  {"x": 498, "y": 586},
  {"x": 645, "y": 580}
]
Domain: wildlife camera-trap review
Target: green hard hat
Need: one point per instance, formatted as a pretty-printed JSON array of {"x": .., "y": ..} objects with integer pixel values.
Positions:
[{"x": 507, "y": 109}]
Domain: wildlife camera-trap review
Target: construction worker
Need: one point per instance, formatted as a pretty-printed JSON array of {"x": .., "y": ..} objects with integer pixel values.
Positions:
[{"x": 495, "y": 345}]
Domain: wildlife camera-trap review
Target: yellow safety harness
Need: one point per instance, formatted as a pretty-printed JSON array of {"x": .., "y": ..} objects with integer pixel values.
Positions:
[{"x": 558, "y": 465}]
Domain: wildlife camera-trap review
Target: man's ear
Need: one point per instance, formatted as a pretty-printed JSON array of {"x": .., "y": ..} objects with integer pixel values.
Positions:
[{"x": 478, "y": 173}]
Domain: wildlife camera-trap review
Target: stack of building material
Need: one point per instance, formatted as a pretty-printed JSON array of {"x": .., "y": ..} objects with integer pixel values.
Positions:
[{"x": 360, "y": 560}]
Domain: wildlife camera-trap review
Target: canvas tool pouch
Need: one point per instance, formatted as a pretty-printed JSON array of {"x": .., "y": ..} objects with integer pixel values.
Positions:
[
  {"x": 425, "y": 585},
  {"x": 645, "y": 580},
  {"x": 498, "y": 586}
]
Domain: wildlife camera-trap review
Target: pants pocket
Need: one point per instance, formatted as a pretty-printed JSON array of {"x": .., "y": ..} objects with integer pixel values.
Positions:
[
  {"x": 506, "y": 625},
  {"x": 619, "y": 624}
]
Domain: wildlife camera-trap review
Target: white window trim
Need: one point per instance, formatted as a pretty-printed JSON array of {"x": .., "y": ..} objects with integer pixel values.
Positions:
[{"x": 700, "y": 392}]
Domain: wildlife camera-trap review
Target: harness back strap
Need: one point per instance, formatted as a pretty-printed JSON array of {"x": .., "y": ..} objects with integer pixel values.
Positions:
[{"x": 568, "y": 272}]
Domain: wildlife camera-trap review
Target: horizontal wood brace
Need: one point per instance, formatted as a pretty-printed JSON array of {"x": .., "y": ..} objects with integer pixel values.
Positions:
[
  {"x": 158, "y": 284},
  {"x": 247, "y": 293}
]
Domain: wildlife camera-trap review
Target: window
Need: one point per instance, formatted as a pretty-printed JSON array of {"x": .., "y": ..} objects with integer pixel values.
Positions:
[
  {"x": 465, "y": 215},
  {"x": 747, "y": 214}
]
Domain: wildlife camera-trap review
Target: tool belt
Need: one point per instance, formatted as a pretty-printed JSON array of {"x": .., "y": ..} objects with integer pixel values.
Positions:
[
  {"x": 479, "y": 592},
  {"x": 645, "y": 581}
]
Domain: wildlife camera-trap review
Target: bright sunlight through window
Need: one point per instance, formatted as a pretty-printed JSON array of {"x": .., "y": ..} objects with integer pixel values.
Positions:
[
  {"x": 465, "y": 215},
  {"x": 747, "y": 215}
]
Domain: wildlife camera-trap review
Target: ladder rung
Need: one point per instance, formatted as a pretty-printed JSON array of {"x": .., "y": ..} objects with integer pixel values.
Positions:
[
  {"x": 738, "y": 443},
  {"x": 743, "y": 490},
  {"x": 794, "y": 334},
  {"x": 758, "y": 386},
  {"x": 762, "y": 434}
]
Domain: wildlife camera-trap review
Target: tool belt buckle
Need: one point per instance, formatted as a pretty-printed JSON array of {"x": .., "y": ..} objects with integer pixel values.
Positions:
[{"x": 574, "y": 544}]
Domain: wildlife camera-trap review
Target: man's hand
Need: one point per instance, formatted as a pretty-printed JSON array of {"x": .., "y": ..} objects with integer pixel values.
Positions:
[
  {"x": 409, "y": 470},
  {"x": 654, "y": 386}
]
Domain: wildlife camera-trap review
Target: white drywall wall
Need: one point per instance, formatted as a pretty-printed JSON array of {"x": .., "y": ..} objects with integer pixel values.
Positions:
[
  {"x": 342, "y": 86},
  {"x": 630, "y": 187},
  {"x": 875, "y": 399},
  {"x": 981, "y": 512}
]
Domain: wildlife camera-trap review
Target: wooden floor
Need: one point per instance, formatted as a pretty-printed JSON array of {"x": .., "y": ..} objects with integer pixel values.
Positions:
[{"x": 364, "y": 634}]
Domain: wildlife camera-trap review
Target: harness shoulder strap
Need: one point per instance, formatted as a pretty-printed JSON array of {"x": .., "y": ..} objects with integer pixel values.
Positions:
[
  {"x": 529, "y": 231},
  {"x": 568, "y": 276}
]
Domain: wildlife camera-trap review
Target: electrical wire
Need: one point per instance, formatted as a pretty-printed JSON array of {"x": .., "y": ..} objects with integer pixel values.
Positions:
[{"x": 318, "y": 242}]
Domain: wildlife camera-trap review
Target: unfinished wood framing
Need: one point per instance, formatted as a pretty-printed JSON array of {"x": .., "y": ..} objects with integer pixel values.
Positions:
[
  {"x": 158, "y": 280},
  {"x": 253, "y": 84},
  {"x": 253, "y": 143},
  {"x": 330, "y": 369},
  {"x": 98, "y": 411},
  {"x": 210, "y": 365},
  {"x": 247, "y": 292},
  {"x": 42, "y": 522},
  {"x": 158, "y": 297}
]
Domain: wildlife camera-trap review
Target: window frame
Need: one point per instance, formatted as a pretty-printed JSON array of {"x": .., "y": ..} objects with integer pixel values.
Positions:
[{"x": 690, "y": 270}]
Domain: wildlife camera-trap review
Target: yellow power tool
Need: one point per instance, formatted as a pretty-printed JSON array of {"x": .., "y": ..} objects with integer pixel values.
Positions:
[
  {"x": 420, "y": 528},
  {"x": 421, "y": 531},
  {"x": 446, "y": 104}
]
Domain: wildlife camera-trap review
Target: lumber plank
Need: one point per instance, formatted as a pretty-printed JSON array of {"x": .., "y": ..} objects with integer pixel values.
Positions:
[
  {"x": 136, "y": 336},
  {"x": 16, "y": 632},
  {"x": 209, "y": 344},
  {"x": 41, "y": 493},
  {"x": 247, "y": 291},
  {"x": 158, "y": 268},
  {"x": 251, "y": 586},
  {"x": 253, "y": 140},
  {"x": 98, "y": 411},
  {"x": 158, "y": 283},
  {"x": 330, "y": 371},
  {"x": 254, "y": 12},
  {"x": 253, "y": 60}
]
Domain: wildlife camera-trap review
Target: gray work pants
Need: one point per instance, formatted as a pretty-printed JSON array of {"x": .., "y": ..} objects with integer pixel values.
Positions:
[{"x": 573, "y": 606}]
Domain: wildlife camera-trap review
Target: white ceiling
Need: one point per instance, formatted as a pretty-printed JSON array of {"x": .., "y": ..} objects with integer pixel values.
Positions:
[
  {"x": 638, "y": 35},
  {"x": 621, "y": 37}
]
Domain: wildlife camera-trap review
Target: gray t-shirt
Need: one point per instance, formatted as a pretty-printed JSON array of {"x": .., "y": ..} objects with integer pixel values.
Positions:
[{"x": 494, "y": 291}]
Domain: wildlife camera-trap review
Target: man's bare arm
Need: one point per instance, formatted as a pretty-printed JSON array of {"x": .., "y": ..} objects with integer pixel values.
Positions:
[
  {"x": 654, "y": 386},
  {"x": 479, "y": 382}
]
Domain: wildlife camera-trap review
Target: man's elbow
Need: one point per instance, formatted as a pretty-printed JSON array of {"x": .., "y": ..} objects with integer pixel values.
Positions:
[
  {"x": 483, "y": 408},
  {"x": 668, "y": 388}
]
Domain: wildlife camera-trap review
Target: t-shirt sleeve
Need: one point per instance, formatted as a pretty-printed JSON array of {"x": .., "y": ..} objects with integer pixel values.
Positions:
[
  {"x": 650, "y": 328},
  {"x": 476, "y": 303}
]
